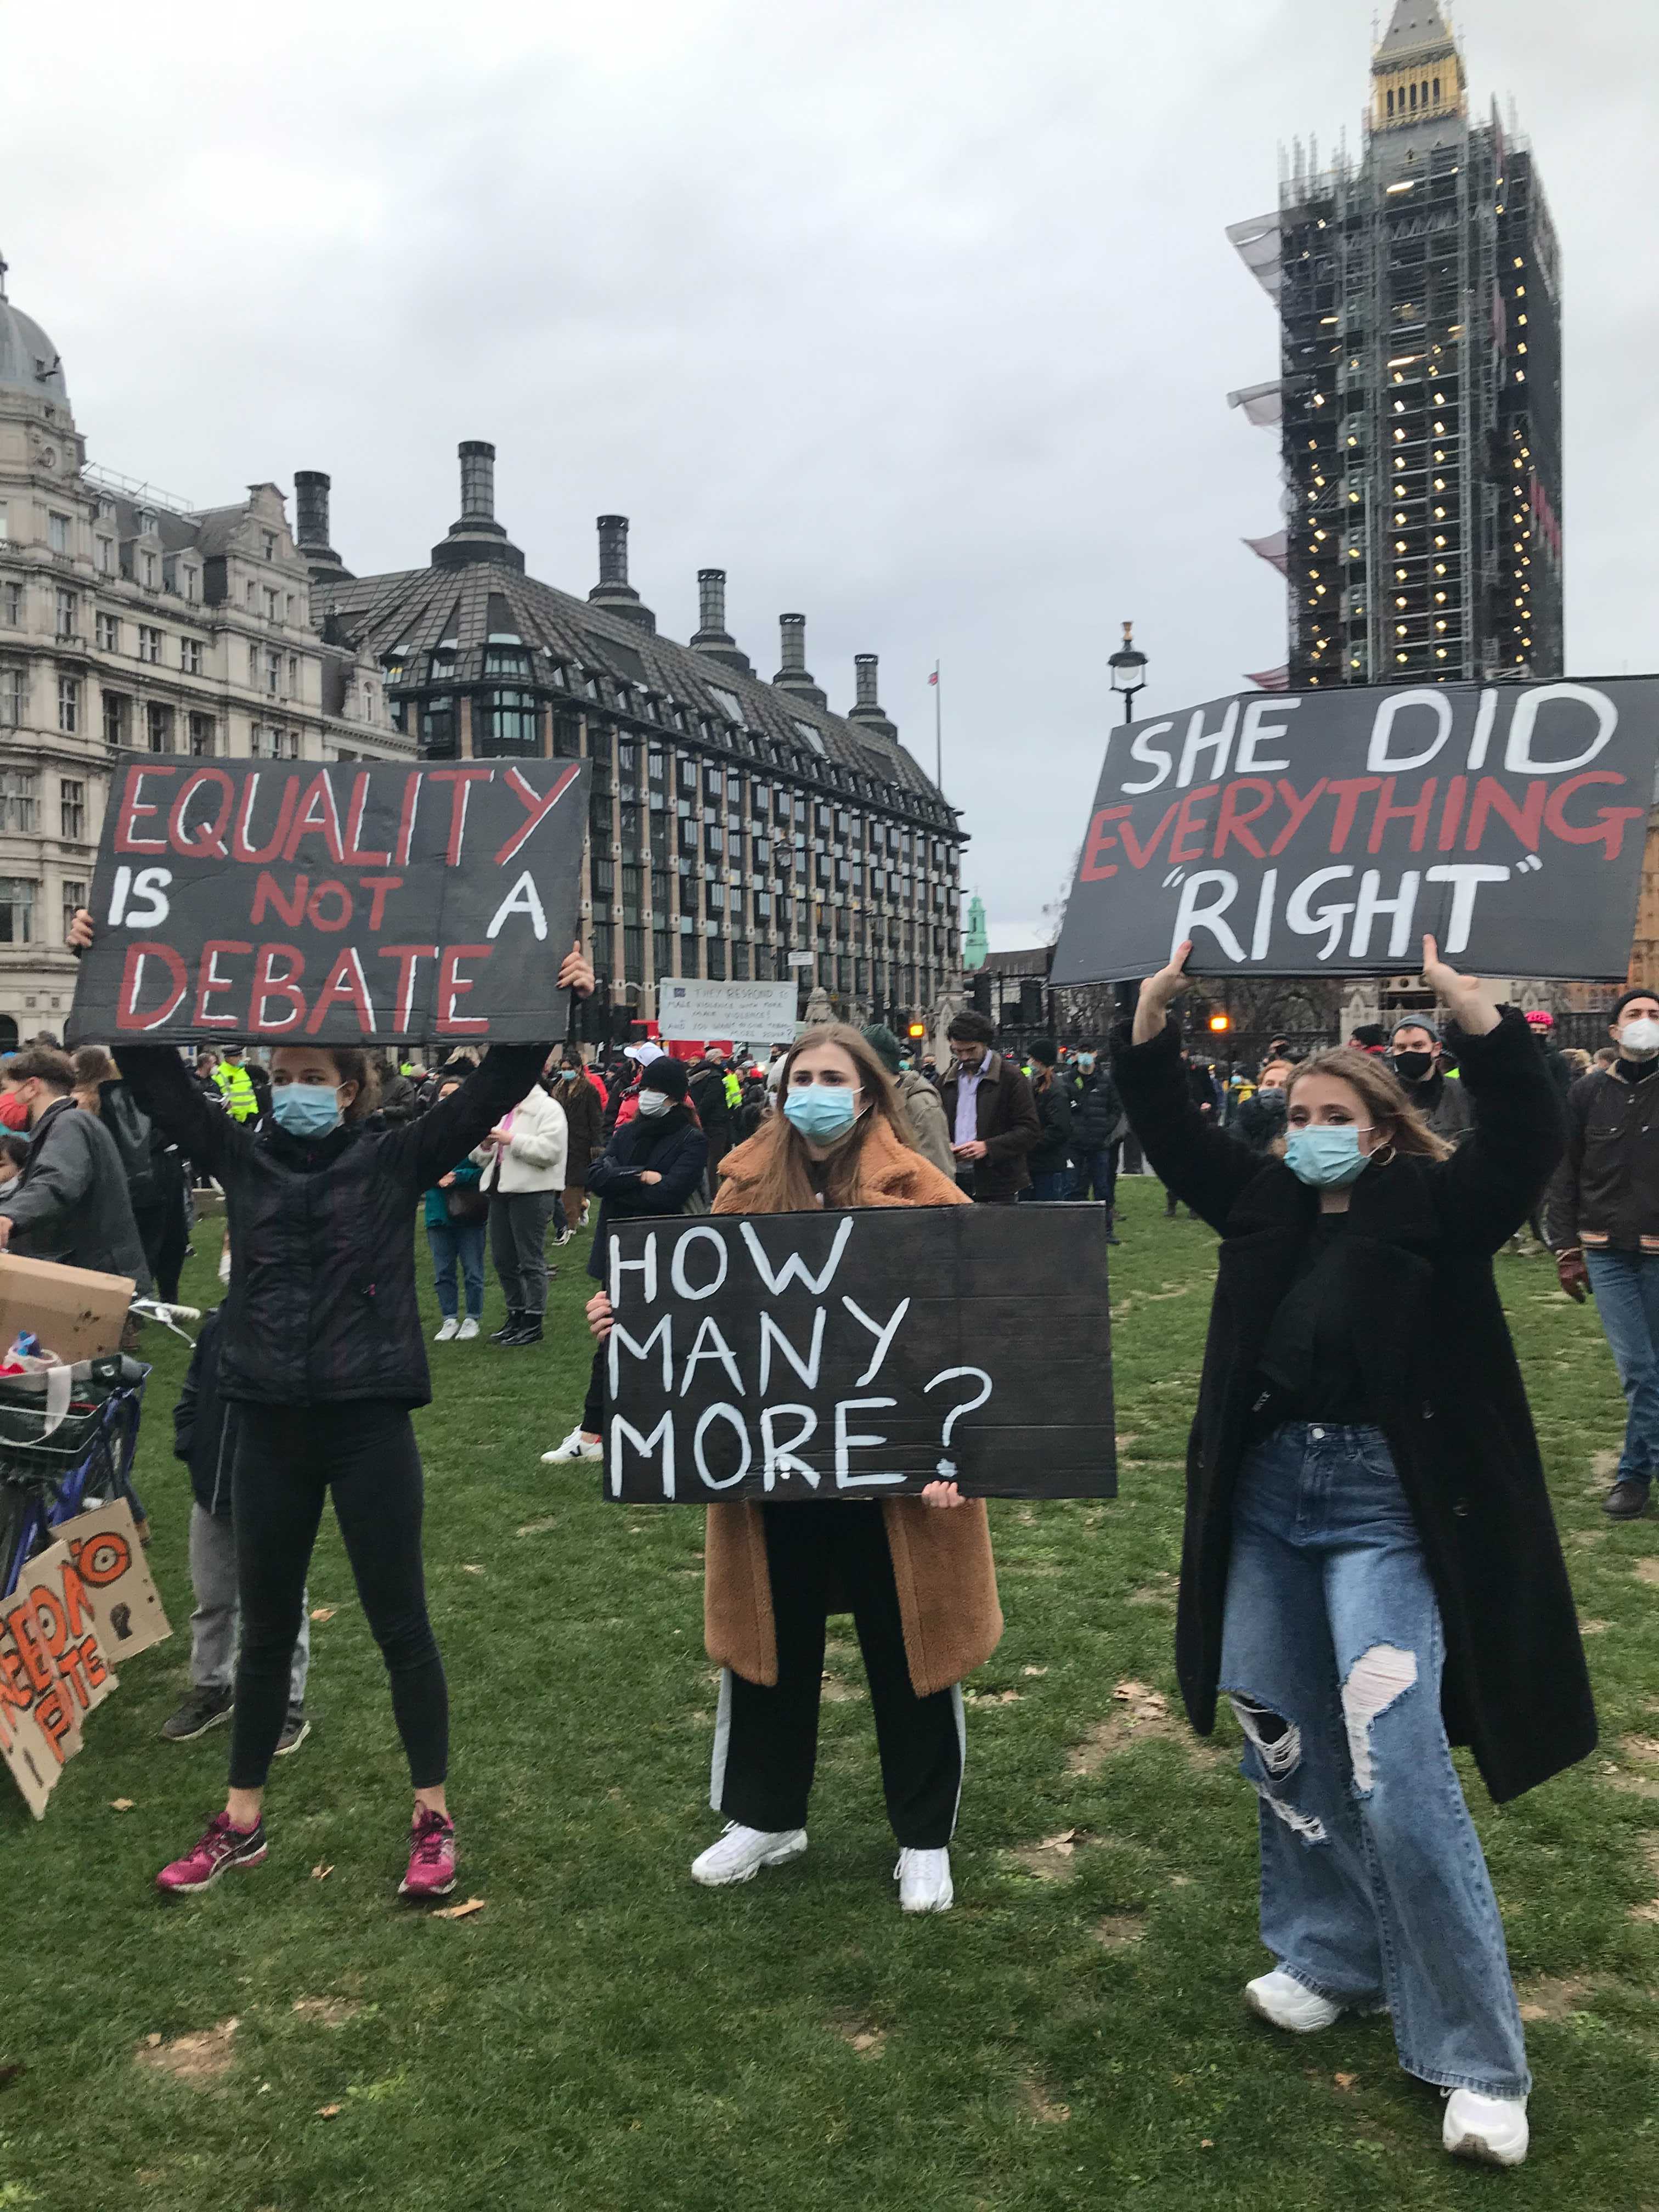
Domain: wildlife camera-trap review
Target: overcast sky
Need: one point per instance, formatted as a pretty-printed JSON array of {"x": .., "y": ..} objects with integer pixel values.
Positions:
[{"x": 918, "y": 318}]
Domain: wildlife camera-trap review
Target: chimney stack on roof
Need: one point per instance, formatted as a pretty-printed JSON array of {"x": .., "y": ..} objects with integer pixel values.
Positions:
[
  {"x": 311, "y": 489},
  {"x": 711, "y": 635},
  {"x": 613, "y": 592},
  {"x": 866, "y": 707},
  {"x": 476, "y": 536},
  {"x": 793, "y": 675}
]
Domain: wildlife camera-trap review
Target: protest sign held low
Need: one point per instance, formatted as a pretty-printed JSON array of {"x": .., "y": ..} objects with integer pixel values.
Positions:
[
  {"x": 347, "y": 904},
  {"x": 859, "y": 1354},
  {"x": 1325, "y": 833}
]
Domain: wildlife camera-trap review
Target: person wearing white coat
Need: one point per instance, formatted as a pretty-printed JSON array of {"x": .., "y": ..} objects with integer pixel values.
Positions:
[{"x": 522, "y": 1161}]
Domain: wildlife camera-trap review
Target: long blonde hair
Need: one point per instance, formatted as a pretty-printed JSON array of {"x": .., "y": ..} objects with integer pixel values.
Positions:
[
  {"x": 783, "y": 1183},
  {"x": 1384, "y": 1095}
]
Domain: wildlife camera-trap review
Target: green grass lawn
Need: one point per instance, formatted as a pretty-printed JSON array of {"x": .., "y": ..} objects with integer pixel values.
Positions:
[{"x": 604, "y": 2034}]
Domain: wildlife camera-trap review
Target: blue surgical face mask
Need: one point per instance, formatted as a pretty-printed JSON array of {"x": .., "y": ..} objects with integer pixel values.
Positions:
[
  {"x": 305, "y": 1110},
  {"x": 1326, "y": 1158},
  {"x": 821, "y": 1111}
]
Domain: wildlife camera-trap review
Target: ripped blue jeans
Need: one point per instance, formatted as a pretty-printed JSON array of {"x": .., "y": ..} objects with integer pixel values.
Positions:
[{"x": 1374, "y": 1887}]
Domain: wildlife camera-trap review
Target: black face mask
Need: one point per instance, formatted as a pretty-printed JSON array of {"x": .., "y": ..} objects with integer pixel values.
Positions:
[{"x": 1412, "y": 1066}]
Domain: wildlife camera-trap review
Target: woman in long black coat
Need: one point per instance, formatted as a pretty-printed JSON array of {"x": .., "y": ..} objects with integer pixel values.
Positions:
[{"x": 1370, "y": 1569}]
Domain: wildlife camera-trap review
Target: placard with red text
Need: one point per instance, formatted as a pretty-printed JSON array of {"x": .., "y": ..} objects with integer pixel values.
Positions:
[{"x": 355, "y": 904}]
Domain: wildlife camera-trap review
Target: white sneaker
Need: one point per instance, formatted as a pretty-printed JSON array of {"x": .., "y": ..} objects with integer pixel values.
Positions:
[
  {"x": 742, "y": 1852},
  {"x": 468, "y": 1327},
  {"x": 1288, "y": 2003},
  {"x": 575, "y": 1446},
  {"x": 450, "y": 1327},
  {"x": 924, "y": 1880},
  {"x": 1492, "y": 2128}
]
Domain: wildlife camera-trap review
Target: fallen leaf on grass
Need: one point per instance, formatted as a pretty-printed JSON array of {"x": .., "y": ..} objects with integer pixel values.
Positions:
[
  {"x": 1344, "y": 2081},
  {"x": 538, "y": 1528},
  {"x": 471, "y": 1570},
  {"x": 322, "y": 1613},
  {"x": 990, "y": 1697},
  {"x": 1041, "y": 2106},
  {"x": 1206, "y": 2144},
  {"x": 320, "y": 1873},
  {"x": 1066, "y": 1842},
  {"x": 152, "y": 2042},
  {"x": 459, "y": 1912},
  {"x": 120, "y": 1804},
  {"x": 329, "y": 2111},
  {"x": 1033, "y": 1670},
  {"x": 1647, "y": 1570}
]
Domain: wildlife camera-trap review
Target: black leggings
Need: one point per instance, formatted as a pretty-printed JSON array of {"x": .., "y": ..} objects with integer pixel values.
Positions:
[{"x": 286, "y": 1457}]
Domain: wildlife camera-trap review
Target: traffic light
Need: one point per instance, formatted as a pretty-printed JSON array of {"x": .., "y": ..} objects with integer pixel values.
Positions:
[
  {"x": 917, "y": 1030},
  {"x": 1218, "y": 1024}
]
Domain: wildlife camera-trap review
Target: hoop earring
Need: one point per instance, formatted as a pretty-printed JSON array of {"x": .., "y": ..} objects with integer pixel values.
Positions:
[{"x": 1382, "y": 1159}]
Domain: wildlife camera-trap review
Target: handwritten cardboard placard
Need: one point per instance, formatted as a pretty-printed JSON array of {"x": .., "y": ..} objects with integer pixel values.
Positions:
[
  {"x": 126, "y": 1606},
  {"x": 353, "y": 904},
  {"x": 53, "y": 1671},
  {"x": 860, "y": 1354},
  {"x": 1321, "y": 833}
]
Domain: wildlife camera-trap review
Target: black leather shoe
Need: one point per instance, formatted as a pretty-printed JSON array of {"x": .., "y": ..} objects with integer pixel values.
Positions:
[
  {"x": 529, "y": 1331},
  {"x": 510, "y": 1326},
  {"x": 1628, "y": 1500}
]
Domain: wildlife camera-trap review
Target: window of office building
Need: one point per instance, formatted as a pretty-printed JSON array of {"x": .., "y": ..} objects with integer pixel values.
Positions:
[
  {"x": 158, "y": 726},
  {"x": 510, "y": 720},
  {"x": 67, "y": 607},
  {"x": 17, "y": 799},
  {"x": 69, "y": 704},
  {"x": 203, "y": 737},
  {"x": 14, "y": 695},
  {"x": 117, "y": 718},
  {"x": 74, "y": 898},
  {"x": 72, "y": 811},
  {"x": 107, "y": 633},
  {"x": 16, "y": 910}
]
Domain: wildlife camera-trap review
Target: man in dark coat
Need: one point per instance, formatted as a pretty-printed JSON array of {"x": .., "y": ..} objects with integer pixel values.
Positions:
[
  {"x": 1415, "y": 1056},
  {"x": 71, "y": 1203},
  {"x": 1049, "y": 1160},
  {"x": 992, "y": 1114},
  {"x": 713, "y": 1101}
]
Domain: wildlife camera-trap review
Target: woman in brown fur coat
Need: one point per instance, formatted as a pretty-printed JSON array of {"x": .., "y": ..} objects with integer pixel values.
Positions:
[{"x": 916, "y": 1573}]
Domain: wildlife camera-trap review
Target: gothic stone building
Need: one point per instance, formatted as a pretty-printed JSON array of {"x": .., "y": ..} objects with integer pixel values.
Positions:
[{"x": 738, "y": 828}]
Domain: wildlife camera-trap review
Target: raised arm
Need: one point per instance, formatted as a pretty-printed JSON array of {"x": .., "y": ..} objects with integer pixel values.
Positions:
[{"x": 1204, "y": 1166}]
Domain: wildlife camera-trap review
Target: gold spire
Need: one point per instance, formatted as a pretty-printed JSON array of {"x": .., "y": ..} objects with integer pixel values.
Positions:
[{"x": 1417, "y": 71}]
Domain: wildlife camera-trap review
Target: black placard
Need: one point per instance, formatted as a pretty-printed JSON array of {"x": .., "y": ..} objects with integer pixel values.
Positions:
[
  {"x": 860, "y": 1354},
  {"x": 1322, "y": 833},
  {"x": 352, "y": 904}
]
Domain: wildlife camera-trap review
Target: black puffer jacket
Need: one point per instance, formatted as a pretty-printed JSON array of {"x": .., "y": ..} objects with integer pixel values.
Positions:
[
  {"x": 322, "y": 1305},
  {"x": 672, "y": 1146},
  {"x": 1099, "y": 1119}
]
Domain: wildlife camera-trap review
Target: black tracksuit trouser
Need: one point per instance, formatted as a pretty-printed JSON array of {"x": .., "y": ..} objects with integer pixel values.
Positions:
[
  {"x": 288, "y": 1458},
  {"x": 825, "y": 1558}
]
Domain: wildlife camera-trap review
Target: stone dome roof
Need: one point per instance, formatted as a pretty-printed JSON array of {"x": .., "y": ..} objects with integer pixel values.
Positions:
[{"x": 29, "y": 360}]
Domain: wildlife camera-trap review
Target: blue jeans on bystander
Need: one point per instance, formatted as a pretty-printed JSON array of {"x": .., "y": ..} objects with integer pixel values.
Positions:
[
  {"x": 462, "y": 1241},
  {"x": 1374, "y": 1888},
  {"x": 1627, "y": 1287}
]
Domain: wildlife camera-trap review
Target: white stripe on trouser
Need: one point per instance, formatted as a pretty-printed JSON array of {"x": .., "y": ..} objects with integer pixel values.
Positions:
[
  {"x": 722, "y": 1741},
  {"x": 961, "y": 1712}
]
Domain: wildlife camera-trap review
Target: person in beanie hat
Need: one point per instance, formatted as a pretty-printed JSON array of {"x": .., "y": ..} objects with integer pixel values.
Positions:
[
  {"x": 654, "y": 1163},
  {"x": 931, "y": 1134}
]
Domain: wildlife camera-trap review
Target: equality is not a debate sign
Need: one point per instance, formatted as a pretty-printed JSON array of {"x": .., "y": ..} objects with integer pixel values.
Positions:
[
  {"x": 1322, "y": 833},
  {"x": 351, "y": 903},
  {"x": 859, "y": 1354}
]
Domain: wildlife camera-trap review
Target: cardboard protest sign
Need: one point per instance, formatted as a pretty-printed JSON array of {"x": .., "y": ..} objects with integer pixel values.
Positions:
[
  {"x": 126, "y": 1606},
  {"x": 353, "y": 904},
  {"x": 1322, "y": 833},
  {"x": 860, "y": 1354},
  {"x": 699, "y": 1012},
  {"x": 53, "y": 1671}
]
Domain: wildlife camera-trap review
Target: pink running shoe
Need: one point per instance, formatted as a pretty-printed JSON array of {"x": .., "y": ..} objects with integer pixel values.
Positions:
[
  {"x": 431, "y": 1855},
  {"x": 220, "y": 1848}
]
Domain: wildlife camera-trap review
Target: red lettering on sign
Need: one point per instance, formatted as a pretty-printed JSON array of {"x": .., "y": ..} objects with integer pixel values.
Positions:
[
  {"x": 453, "y": 985},
  {"x": 1456, "y": 791},
  {"x": 1350, "y": 790},
  {"x": 538, "y": 809},
  {"x": 378, "y": 887},
  {"x": 355, "y": 854},
  {"x": 210, "y": 982},
  {"x": 345, "y": 986},
  {"x": 1490, "y": 798},
  {"x": 463, "y": 779},
  {"x": 240, "y": 849},
  {"x": 1417, "y": 814},
  {"x": 313, "y": 910},
  {"x": 269, "y": 985},
  {"x": 1608, "y": 828},
  {"x": 403, "y": 994},
  {"x": 132, "y": 809},
  {"x": 127, "y": 1015},
  {"x": 69, "y": 1665},
  {"x": 317, "y": 818},
  {"x": 102, "y": 1559},
  {"x": 1188, "y": 824},
  {"x": 207, "y": 839},
  {"x": 1234, "y": 820},
  {"x": 1138, "y": 854},
  {"x": 76, "y": 1606},
  {"x": 268, "y": 892},
  {"x": 26, "y": 1635},
  {"x": 1100, "y": 838},
  {"x": 56, "y": 1718},
  {"x": 1300, "y": 810}
]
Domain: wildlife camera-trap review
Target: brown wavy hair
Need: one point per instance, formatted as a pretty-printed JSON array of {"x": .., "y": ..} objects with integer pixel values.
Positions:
[
  {"x": 1384, "y": 1095},
  {"x": 783, "y": 1184}
]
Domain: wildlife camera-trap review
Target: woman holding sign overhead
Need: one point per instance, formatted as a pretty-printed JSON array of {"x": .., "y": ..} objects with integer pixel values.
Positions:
[
  {"x": 916, "y": 1573},
  {"x": 1370, "y": 1567},
  {"x": 321, "y": 1346}
]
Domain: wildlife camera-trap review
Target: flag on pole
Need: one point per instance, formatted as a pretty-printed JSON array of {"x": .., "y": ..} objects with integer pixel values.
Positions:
[{"x": 934, "y": 678}]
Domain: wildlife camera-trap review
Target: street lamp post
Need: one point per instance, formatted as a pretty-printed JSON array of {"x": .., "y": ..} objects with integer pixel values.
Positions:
[{"x": 1128, "y": 667}]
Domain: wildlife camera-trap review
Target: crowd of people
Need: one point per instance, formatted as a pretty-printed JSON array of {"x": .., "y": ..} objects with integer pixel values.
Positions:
[{"x": 1370, "y": 1570}]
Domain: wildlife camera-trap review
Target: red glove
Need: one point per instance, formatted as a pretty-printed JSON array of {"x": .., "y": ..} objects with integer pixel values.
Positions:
[{"x": 1573, "y": 1273}]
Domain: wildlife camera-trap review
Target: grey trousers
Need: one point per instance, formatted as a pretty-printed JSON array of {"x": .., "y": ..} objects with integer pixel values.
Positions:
[
  {"x": 518, "y": 1232},
  {"x": 215, "y": 1624}
]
